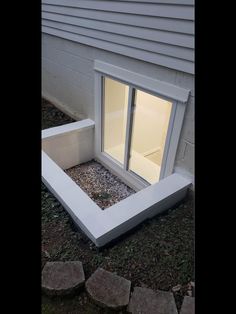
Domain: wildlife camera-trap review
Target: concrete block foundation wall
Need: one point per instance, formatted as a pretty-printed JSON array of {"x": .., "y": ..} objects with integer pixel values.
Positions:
[{"x": 68, "y": 82}]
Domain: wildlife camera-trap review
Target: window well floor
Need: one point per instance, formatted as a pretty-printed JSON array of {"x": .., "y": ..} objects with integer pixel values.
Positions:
[{"x": 104, "y": 188}]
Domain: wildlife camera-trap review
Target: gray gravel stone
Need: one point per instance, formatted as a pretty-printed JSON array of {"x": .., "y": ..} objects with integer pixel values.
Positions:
[
  {"x": 147, "y": 301},
  {"x": 62, "y": 278},
  {"x": 108, "y": 290},
  {"x": 188, "y": 306},
  {"x": 104, "y": 188}
]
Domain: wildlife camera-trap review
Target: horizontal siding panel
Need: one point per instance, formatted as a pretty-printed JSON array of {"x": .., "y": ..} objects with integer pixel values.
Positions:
[
  {"x": 166, "y": 24},
  {"x": 173, "y": 51},
  {"x": 161, "y": 10},
  {"x": 155, "y": 31},
  {"x": 182, "y": 40},
  {"x": 186, "y": 2},
  {"x": 178, "y": 64}
]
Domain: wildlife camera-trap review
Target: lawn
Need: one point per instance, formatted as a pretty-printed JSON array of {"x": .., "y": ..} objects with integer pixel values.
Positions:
[{"x": 158, "y": 254}]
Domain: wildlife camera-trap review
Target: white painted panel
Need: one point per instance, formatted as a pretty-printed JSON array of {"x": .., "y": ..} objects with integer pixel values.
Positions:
[
  {"x": 142, "y": 205},
  {"x": 70, "y": 147},
  {"x": 65, "y": 58},
  {"x": 187, "y": 132},
  {"x": 78, "y": 204},
  {"x": 175, "y": 135},
  {"x": 156, "y": 209},
  {"x": 80, "y": 100},
  {"x": 186, "y": 174},
  {"x": 146, "y": 198},
  {"x": 78, "y": 126},
  {"x": 82, "y": 81},
  {"x": 185, "y": 80}
]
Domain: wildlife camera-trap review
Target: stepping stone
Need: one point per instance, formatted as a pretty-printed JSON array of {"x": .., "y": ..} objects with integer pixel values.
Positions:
[
  {"x": 147, "y": 301},
  {"x": 188, "y": 306},
  {"x": 108, "y": 290},
  {"x": 62, "y": 278}
]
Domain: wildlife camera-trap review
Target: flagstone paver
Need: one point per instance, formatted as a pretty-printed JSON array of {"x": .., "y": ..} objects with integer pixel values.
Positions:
[
  {"x": 62, "y": 278},
  {"x": 147, "y": 301},
  {"x": 108, "y": 290},
  {"x": 188, "y": 306}
]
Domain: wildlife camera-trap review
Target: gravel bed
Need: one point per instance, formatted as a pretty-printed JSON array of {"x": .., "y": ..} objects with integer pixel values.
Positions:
[{"x": 104, "y": 188}]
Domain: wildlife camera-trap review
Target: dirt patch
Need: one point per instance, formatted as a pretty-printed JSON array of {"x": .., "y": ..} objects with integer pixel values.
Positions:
[
  {"x": 159, "y": 254},
  {"x": 51, "y": 116},
  {"x": 104, "y": 188}
]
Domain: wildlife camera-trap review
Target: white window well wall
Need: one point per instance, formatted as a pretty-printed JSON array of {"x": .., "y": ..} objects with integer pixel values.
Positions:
[{"x": 74, "y": 143}]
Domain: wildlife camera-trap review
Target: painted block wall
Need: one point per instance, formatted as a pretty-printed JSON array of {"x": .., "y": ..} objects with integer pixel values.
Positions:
[
  {"x": 71, "y": 148},
  {"x": 68, "y": 82}
]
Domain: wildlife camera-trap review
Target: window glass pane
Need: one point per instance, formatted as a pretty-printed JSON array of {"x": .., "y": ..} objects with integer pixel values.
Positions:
[
  {"x": 151, "y": 117},
  {"x": 115, "y": 117}
]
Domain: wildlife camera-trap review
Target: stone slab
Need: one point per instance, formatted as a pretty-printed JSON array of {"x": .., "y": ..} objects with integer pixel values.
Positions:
[
  {"x": 108, "y": 290},
  {"x": 188, "y": 306},
  {"x": 147, "y": 301},
  {"x": 62, "y": 278}
]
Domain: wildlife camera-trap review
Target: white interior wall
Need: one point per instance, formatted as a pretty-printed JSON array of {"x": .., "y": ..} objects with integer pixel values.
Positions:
[
  {"x": 150, "y": 121},
  {"x": 151, "y": 118},
  {"x": 115, "y": 113}
]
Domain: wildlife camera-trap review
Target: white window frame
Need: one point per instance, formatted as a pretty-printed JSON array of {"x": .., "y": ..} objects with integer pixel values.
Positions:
[{"x": 176, "y": 95}]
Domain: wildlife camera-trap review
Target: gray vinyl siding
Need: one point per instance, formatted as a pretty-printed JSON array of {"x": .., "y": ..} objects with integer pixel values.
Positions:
[{"x": 160, "y": 32}]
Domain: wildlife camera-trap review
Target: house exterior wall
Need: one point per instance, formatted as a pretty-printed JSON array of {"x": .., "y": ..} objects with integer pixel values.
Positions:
[
  {"x": 68, "y": 82},
  {"x": 156, "y": 31},
  {"x": 154, "y": 38}
]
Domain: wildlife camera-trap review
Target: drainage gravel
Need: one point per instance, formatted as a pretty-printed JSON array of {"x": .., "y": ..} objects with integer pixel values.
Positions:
[{"x": 104, "y": 188}]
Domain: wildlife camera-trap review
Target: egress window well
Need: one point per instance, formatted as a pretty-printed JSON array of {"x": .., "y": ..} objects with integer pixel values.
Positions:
[{"x": 135, "y": 135}]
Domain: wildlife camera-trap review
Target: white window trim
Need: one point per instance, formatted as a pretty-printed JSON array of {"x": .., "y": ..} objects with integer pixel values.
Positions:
[{"x": 177, "y": 95}]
